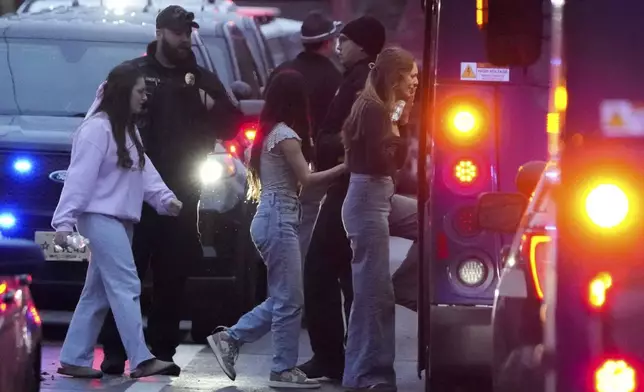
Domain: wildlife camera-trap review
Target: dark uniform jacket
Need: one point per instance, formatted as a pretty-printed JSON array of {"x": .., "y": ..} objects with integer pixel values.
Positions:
[
  {"x": 329, "y": 148},
  {"x": 176, "y": 128},
  {"x": 322, "y": 79}
]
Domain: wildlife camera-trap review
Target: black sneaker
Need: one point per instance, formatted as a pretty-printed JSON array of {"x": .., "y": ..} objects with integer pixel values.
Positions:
[
  {"x": 113, "y": 366},
  {"x": 315, "y": 370},
  {"x": 174, "y": 370}
]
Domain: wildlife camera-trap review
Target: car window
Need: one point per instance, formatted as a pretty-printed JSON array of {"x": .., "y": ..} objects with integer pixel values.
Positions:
[
  {"x": 254, "y": 46},
  {"x": 221, "y": 57},
  {"x": 201, "y": 61},
  {"x": 277, "y": 50},
  {"x": 267, "y": 51},
  {"x": 247, "y": 67},
  {"x": 56, "y": 77},
  {"x": 292, "y": 46}
]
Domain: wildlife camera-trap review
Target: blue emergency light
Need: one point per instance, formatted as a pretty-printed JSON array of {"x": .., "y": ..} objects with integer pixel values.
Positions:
[
  {"x": 22, "y": 166},
  {"x": 7, "y": 221}
]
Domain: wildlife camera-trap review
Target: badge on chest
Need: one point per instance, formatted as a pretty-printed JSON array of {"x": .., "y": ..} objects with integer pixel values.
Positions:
[{"x": 190, "y": 79}]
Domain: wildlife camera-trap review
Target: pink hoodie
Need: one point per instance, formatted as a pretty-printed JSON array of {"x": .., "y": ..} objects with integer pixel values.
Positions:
[{"x": 95, "y": 183}]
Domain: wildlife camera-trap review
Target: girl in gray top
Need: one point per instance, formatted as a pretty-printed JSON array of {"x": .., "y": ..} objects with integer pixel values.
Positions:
[{"x": 278, "y": 166}]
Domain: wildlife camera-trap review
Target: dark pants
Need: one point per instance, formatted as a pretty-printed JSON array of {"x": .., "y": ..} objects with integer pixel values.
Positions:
[
  {"x": 327, "y": 277},
  {"x": 169, "y": 246},
  {"x": 327, "y": 272}
]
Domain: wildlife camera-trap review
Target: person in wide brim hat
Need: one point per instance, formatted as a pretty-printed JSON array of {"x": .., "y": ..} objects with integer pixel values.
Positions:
[{"x": 316, "y": 27}]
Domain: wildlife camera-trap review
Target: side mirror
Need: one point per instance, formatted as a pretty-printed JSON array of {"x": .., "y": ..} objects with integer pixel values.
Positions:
[
  {"x": 241, "y": 90},
  {"x": 528, "y": 177},
  {"x": 501, "y": 212},
  {"x": 18, "y": 257}
]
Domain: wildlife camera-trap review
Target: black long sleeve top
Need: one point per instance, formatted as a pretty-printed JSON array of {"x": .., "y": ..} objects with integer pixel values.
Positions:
[{"x": 377, "y": 150}]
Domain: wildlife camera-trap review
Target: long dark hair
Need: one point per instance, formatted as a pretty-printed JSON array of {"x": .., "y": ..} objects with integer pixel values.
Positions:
[
  {"x": 287, "y": 102},
  {"x": 388, "y": 70},
  {"x": 117, "y": 95}
]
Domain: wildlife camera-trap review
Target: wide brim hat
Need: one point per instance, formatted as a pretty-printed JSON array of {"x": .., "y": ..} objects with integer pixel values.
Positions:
[{"x": 318, "y": 28}]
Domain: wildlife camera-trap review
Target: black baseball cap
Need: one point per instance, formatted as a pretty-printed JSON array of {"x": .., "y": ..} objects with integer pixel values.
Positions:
[{"x": 176, "y": 18}]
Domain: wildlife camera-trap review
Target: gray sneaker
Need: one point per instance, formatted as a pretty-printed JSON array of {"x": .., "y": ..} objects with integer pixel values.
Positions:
[
  {"x": 226, "y": 350},
  {"x": 293, "y": 378}
]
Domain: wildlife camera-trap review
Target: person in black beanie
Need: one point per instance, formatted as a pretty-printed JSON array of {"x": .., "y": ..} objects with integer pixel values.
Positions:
[{"x": 327, "y": 267}]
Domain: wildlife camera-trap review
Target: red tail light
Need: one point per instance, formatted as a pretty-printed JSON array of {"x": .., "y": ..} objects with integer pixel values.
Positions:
[
  {"x": 534, "y": 250},
  {"x": 248, "y": 133},
  {"x": 243, "y": 140},
  {"x": 233, "y": 148}
]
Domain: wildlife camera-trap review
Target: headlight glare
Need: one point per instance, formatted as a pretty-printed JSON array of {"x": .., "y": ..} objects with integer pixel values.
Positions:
[{"x": 211, "y": 171}]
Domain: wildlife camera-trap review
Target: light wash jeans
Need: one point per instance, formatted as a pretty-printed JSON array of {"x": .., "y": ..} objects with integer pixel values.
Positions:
[
  {"x": 274, "y": 231},
  {"x": 371, "y": 345},
  {"x": 111, "y": 282}
]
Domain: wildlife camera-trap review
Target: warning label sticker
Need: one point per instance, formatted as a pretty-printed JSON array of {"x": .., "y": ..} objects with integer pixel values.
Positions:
[
  {"x": 483, "y": 72},
  {"x": 621, "y": 118}
]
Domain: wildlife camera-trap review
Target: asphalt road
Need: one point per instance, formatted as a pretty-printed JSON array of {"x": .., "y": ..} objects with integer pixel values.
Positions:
[{"x": 201, "y": 372}]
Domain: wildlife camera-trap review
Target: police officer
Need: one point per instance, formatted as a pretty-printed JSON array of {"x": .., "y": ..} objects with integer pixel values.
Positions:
[
  {"x": 188, "y": 108},
  {"x": 327, "y": 269},
  {"x": 323, "y": 78}
]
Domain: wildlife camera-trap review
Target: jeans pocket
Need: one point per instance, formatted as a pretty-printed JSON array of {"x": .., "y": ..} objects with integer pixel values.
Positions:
[{"x": 288, "y": 208}]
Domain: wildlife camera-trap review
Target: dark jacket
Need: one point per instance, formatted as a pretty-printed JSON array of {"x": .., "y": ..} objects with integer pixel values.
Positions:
[
  {"x": 177, "y": 129},
  {"x": 322, "y": 79},
  {"x": 329, "y": 148}
]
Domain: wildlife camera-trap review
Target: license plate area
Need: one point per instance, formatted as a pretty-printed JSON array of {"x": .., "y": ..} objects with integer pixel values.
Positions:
[{"x": 45, "y": 239}]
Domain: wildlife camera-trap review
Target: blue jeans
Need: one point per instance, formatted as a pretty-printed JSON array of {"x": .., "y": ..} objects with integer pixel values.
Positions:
[
  {"x": 274, "y": 231},
  {"x": 111, "y": 282},
  {"x": 371, "y": 345}
]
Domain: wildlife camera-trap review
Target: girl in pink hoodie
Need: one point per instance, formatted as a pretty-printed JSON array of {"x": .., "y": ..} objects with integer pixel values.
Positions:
[{"x": 108, "y": 179}]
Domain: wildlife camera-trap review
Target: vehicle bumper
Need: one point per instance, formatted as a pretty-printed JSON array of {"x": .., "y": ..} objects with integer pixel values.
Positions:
[{"x": 461, "y": 338}]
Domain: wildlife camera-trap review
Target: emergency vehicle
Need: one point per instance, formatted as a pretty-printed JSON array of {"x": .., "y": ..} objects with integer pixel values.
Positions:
[
  {"x": 593, "y": 340},
  {"x": 568, "y": 304},
  {"x": 485, "y": 101}
]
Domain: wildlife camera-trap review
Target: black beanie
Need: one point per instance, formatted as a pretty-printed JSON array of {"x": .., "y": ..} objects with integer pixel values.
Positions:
[{"x": 367, "y": 32}]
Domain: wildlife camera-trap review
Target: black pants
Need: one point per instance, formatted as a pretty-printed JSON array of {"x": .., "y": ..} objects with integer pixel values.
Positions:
[
  {"x": 167, "y": 245},
  {"x": 327, "y": 277}
]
